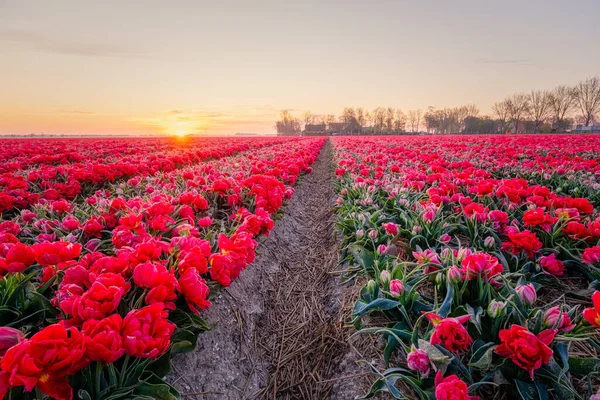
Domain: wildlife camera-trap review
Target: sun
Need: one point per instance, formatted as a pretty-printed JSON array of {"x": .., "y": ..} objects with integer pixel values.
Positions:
[{"x": 180, "y": 132}]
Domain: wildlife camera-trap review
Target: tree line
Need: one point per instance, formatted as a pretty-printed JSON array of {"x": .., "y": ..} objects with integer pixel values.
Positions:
[{"x": 545, "y": 111}]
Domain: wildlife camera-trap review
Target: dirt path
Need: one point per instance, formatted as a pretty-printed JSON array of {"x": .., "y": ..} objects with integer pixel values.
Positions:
[{"x": 279, "y": 330}]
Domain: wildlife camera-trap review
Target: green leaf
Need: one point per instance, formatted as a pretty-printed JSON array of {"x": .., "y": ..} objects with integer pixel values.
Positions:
[
  {"x": 361, "y": 307},
  {"x": 83, "y": 395},
  {"x": 483, "y": 357},
  {"x": 562, "y": 349},
  {"x": 362, "y": 256},
  {"x": 526, "y": 390},
  {"x": 445, "y": 307},
  {"x": 439, "y": 359},
  {"x": 583, "y": 366},
  {"x": 156, "y": 388}
]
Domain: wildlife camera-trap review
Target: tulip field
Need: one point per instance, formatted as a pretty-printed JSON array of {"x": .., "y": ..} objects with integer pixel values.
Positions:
[
  {"x": 110, "y": 249},
  {"x": 477, "y": 257},
  {"x": 482, "y": 261}
]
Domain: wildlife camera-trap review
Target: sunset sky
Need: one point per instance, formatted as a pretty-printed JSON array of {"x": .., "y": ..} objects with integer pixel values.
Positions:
[{"x": 220, "y": 67}]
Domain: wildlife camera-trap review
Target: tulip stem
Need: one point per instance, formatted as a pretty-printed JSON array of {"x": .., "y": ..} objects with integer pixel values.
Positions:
[
  {"x": 123, "y": 370},
  {"x": 98, "y": 378}
]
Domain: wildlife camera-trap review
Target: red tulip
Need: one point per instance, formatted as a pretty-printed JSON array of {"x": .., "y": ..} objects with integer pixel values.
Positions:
[
  {"x": 103, "y": 339},
  {"x": 524, "y": 348},
  {"x": 147, "y": 332}
]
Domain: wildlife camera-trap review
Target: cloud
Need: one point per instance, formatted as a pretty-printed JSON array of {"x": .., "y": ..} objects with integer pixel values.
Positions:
[
  {"x": 36, "y": 41},
  {"x": 505, "y": 61},
  {"x": 76, "y": 112}
]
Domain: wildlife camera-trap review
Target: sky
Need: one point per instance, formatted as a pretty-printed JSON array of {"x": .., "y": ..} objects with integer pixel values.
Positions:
[{"x": 221, "y": 67}]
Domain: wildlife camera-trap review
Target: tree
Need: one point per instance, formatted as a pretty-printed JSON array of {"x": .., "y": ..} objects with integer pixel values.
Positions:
[
  {"x": 501, "y": 109},
  {"x": 518, "y": 106},
  {"x": 561, "y": 103},
  {"x": 583, "y": 119},
  {"x": 348, "y": 117},
  {"x": 414, "y": 119},
  {"x": 361, "y": 116},
  {"x": 539, "y": 107},
  {"x": 463, "y": 112},
  {"x": 431, "y": 122},
  {"x": 389, "y": 119},
  {"x": 378, "y": 117},
  {"x": 419, "y": 114},
  {"x": 287, "y": 124},
  {"x": 587, "y": 97},
  {"x": 308, "y": 118},
  {"x": 399, "y": 121}
]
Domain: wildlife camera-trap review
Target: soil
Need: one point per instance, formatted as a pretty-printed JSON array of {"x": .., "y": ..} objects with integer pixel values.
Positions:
[{"x": 279, "y": 329}]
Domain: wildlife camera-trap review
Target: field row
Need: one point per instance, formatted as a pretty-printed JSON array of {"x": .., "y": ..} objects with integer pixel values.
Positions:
[
  {"x": 99, "y": 291},
  {"x": 481, "y": 255}
]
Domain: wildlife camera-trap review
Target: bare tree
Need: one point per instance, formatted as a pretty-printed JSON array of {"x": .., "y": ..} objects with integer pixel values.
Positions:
[
  {"x": 378, "y": 116},
  {"x": 348, "y": 117},
  {"x": 539, "y": 107},
  {"x": 501, "y": 109},
  {"x": 287, "y": 124},
  {"x": 431, "y": 122},
  {"x": 399, "y": 121},
  {"x": 587, "y": 97},
  {"x": 329, "y": 118},
  {"x": 561, "y": 103},
  {"x": 389, "y": 119},
  {"x": 461, "y": 113},
  {"x": 361, "y": 116},
  {"x": 414, "y": 119},
  {"x": 308, "y": 118},
  {"x": 518, "y": 107}
]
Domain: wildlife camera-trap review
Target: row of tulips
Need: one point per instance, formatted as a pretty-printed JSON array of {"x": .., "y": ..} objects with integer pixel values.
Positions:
[
  {"x": 63, "y": 174},
  {"x": 97, "y": 294},
  {"x": 480, "y": 280}
]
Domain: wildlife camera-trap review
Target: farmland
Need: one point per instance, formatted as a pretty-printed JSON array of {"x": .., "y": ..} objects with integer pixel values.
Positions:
[{"x": 271, "y": 267}]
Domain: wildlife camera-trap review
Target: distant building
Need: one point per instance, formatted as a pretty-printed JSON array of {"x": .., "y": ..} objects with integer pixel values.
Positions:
[
  {"x": 315, "y": 130},
  {"x": 246, "y": 134},
  {"x": 586, "y": 129},
  {"x": 336, "y": 128}
]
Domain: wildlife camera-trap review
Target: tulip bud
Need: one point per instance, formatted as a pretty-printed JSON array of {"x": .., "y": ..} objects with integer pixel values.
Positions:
[
  {"x": 71, "y": 238},
  {"x": 371, "y": 285},
  {"x": 92, "y": 244},
  {"x": 439, "y": 278},
  {"x": 373, "y": 234},
  {"x": 360, "y": 234},
  {"x": 463, "y": 253},
  {"x": 446, "y": 254},
  {"x": 496, "y": 308},
  {"x": 205, "y": 222},
  {"x": 445, "y": 238},
  {"x": 553, "y": 317},
  {"x": 8, "y": 338},
  {"x": 418, "y": 360},
  {"x": 382, "y": 249},
  {"x": 416, "y": 230},
  {"x": 527, "y": 294},
  {"x": 454, "y": 275},
  {"x": 396, "y": 287},
  {"x": 489, "y": 242},
  {"x": 385, "y": 276}
]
